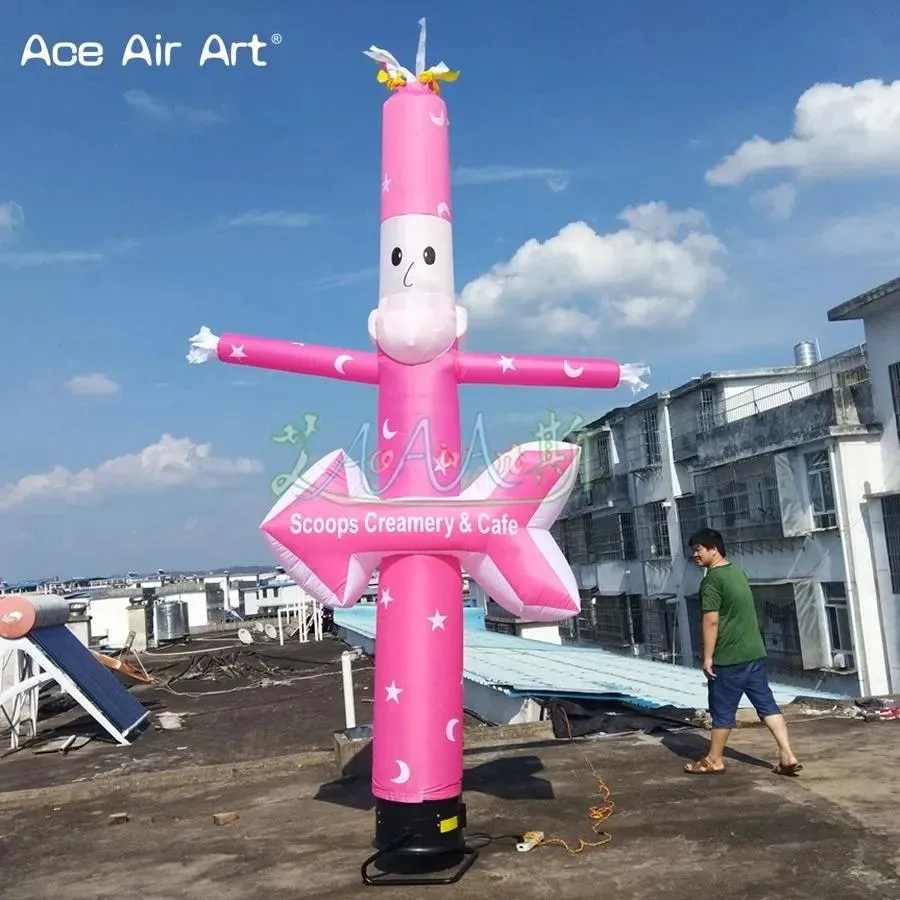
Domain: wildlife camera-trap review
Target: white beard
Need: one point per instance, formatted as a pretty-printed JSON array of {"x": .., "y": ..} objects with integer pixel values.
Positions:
[{"x": 414, "y": 327}]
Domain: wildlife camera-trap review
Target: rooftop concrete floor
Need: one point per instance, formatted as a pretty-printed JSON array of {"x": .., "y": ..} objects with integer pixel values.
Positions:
[{"x": 747, "y": 835}]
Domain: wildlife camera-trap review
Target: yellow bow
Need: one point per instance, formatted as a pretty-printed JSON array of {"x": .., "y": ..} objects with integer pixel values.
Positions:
[{"x": 430, "y": 78}]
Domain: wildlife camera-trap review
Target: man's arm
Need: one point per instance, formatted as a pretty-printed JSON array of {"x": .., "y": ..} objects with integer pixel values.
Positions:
[
  {"x": 710, "y": 634},
  {"x": 710, "y": 602},
  {"x": 285, "y": 356}
]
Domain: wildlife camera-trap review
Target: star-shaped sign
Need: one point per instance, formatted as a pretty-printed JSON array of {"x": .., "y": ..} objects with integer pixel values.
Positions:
[
  {"x": 385, "y": 185},
  {"x": 386, "y": 597},
  {"x": 437, "y": 620},
  {"x": 506, "y": 363},
  {"x": 393, "y": 692},
  {"x": 237, "y": 351}
]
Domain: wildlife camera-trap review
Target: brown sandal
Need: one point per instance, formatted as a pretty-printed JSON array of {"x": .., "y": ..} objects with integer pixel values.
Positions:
[
  {"x": 790, "y": 771},
  {"x": 703, "y": 767}
]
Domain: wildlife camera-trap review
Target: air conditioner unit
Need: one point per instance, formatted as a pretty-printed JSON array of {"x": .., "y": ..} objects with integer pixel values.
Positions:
[{"x": 840, "y": 659}]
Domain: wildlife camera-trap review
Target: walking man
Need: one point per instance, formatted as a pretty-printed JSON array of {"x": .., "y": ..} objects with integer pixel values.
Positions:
[{"x": 734, "y": 656}]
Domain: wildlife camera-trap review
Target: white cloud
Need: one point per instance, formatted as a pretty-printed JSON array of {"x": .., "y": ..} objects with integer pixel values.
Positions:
[
  {"x": 343, "y": 279},
  {"x": 655, "y": 270},
  {"x": 556, "y": 179},
  {"x": 94, "y": 385},
  {"x": 776, "y": 202},
  {"x": 873, "y": 233},
  {"x": 274, "y": 219},
  {"x": 12, "y": 217},
  {"x": 26, "y": 259},
  {"x": 839, "y": 131},
  {"x": 160, "y": 111},
  {"x": 171, "y": 462}
]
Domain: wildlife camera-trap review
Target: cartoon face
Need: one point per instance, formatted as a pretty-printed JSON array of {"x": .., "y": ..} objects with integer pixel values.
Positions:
[
  {"x": 416, "y": 254},
  {"x": 417, "y": 317}
]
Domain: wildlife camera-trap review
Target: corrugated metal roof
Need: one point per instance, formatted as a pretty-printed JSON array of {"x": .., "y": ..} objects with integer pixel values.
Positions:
[{"x": 523, "y": 667}]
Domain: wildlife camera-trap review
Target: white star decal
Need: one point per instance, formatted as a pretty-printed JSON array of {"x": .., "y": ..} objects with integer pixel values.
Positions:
[
  {"x": 437, "y": 621},
  {"x": 440, "y": 464},
  {"x": 386, "y": 598},
  {"x": 506, "y": 363},
  {"x": 385, "y": 185},
  {"x": 393, "y": 692},
  {"x": 237, "y": 351}
]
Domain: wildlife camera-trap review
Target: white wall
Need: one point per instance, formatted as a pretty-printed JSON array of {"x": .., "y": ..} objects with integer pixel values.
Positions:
[
  {"x": 109, "y": 620},
  {"x": 539, "y": 631},
  {"x": 883, "y": 348},
  {"x": 279, "y": 594},
  {"x": 888, "y": 601},
  {"x": 747, "y": 397},
  {"x": 198, "y": 614},
  {"x": 882, "y": 331},
  {"x": 852, "y": 465},
  {"x": 109, "y": 615}
]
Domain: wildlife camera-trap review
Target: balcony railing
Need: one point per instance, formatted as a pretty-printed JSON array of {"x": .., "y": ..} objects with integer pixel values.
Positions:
[
  {"x": 765, "y": 397},
  {"x": 601, "y": 492},
  {"x": 788, "y": 420}
]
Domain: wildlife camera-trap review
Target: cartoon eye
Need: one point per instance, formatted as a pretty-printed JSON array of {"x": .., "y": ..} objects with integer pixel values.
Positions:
[
  {"x": 396, "y": 256},
  {"x": 429, "y": 256}
]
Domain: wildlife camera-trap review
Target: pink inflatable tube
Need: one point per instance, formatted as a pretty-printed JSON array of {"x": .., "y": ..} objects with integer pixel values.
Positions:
[{"x": 331, "y": 531}]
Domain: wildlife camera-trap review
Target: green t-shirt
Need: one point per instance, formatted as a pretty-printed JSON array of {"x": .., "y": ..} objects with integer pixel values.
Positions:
[{"x": 725, "y": 590}]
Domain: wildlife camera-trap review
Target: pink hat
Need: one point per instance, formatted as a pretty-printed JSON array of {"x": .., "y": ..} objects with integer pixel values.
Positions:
[{"x": 415, "y": 148}]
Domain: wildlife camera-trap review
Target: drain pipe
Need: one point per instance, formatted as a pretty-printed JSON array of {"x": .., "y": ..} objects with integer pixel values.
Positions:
[{"x": 347, "y": 658}]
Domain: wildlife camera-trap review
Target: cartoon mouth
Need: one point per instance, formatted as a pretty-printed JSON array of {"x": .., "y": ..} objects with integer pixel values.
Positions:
[{"x": 410, "y": 284}]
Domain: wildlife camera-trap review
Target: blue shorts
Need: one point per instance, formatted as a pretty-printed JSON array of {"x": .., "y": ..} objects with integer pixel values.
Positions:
[{"x": 730, "y": 683}]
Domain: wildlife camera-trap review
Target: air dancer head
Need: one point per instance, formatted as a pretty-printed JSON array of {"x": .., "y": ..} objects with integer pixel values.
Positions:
[{"x": 417, "y": 318}]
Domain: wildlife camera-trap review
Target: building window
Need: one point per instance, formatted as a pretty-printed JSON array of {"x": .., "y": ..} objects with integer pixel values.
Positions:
[
  {"x": 821, "y": 491},
  {"x": 894, "y": 377},
  {"x": 690, "y": 519},
  {"x": 741, "y": 500},
  {"x": 650, "y": 437},
  {"x": 840, "y": 633},
  {"x": 606, "y": 538},
  {"x": 890, "y": 510},
  {"x": 577, "y": 539},
  {"x": 777, "y": 613},
  {"x": 706, "y": 411},
  {"x": 652, "y": 521},
  {"x": 629, "y": 545},
  {"x": 604, "y": 456}
]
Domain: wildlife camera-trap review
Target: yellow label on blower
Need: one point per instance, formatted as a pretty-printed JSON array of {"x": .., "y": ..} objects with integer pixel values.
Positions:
[{"x": 449, "y": 824}]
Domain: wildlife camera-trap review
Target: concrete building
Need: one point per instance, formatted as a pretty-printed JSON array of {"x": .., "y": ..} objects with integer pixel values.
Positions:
[
  {"x": 877, "y": 534},
  {"x": 797, "y": 466}
]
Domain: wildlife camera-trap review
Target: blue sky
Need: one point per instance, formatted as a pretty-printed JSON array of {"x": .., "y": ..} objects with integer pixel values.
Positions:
[{"x": 138, "y": 203}]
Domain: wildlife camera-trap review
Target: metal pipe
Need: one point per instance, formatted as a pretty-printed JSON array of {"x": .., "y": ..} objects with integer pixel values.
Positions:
[{"x": 349, "y": 705}]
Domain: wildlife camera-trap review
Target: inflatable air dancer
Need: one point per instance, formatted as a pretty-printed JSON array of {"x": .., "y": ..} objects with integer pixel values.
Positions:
[{"x": 331, "y": 532}]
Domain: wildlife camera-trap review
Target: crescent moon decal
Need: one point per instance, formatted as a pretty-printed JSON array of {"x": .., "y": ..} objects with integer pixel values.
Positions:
[
  {"x": 449, "y": 730},
  {"x": 572, "y": 371},
  {"x": 403, "y": 776},
  {"x": 437, "y": 119},
  {"x": 342, "y": 361},
  {"x": 386, "y": 431},
  {"x": 443, "y": 211}
]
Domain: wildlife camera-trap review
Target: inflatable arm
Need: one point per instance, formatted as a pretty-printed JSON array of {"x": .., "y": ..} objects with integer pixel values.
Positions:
[
  {"x": 285, "y": 356},
  {"x": 547, "y": 371}
]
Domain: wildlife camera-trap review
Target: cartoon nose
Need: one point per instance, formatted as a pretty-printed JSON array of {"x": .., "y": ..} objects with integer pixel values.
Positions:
[{"x": 407, "y": 275}]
